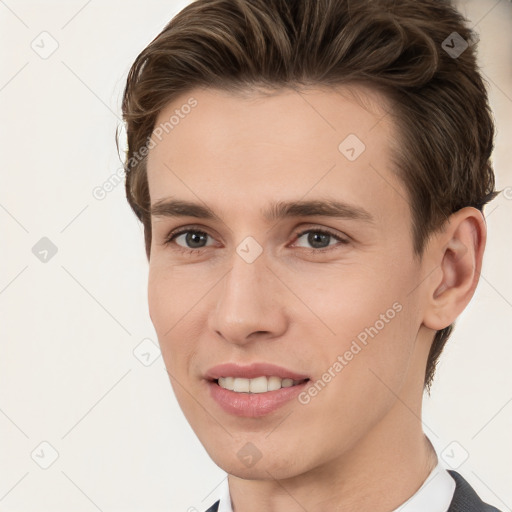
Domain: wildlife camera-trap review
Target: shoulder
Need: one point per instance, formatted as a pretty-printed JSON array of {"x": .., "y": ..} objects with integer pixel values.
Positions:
[
  {"x": 214, "y": 507},
  {"x": 465, "y": 499}
]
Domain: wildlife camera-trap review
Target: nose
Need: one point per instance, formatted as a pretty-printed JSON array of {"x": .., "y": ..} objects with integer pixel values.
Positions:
[{"x": 248, "y": 304}]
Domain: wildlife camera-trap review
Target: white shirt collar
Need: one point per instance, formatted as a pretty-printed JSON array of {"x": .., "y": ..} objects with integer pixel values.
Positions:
[{"x": 435, "y": 495}]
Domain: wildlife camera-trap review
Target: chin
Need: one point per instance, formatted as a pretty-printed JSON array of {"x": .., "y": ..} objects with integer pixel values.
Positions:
[
  {"x": 262, "y": 470},
  {"x": 257, "y": 459}
]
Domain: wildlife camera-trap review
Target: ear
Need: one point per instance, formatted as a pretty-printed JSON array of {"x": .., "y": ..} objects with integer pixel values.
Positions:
[{"x": 455, "y": 253}]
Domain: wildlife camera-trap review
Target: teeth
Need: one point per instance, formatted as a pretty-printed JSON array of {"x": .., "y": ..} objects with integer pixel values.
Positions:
[
  {"x": 274, "y": 383},
  {"x": 256, "y": 385}
]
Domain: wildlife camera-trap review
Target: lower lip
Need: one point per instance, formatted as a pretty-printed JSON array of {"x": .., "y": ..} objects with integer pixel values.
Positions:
[{"x": 253, "y": 405}]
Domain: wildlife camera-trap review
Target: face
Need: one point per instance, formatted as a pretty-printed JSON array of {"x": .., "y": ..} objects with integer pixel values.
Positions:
[{"x": 298, "y": 290}]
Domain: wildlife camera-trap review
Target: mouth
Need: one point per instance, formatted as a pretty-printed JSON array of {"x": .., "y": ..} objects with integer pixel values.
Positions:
[
  {"x": 261, "y": 384},
  {"x": 253, "y": 390}
]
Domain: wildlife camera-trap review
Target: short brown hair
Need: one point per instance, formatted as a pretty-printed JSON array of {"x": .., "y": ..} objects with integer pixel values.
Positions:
[{"x": 401, "y": 49}]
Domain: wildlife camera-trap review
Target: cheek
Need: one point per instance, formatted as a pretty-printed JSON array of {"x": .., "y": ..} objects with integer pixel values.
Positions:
[
  {"x": 361, "y": 374},
  {"x": 372, "y": 322},
  {"x": 351, "y": 297},
  {"x": 167, "y": 304},
  {"x": 160, "y": 300},
  {"x": 172, "y": 294},
  {"x": 178, "y": 307}
]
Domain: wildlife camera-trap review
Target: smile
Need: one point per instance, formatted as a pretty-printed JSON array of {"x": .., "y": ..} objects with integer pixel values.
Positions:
[{"x": 261, "y": 384}]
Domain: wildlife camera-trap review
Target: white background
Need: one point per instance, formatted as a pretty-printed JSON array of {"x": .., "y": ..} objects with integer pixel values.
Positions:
[{"x": 68, "y": 373}]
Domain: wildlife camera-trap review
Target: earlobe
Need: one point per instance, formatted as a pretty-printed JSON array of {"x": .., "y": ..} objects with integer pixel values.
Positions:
[{"x": 457, "y": 251}]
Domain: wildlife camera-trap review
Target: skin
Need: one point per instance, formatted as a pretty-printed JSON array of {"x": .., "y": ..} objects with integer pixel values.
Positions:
[{"x": 359, "y": 444}]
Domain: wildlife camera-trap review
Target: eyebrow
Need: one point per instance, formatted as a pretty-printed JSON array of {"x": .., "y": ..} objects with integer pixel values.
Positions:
[{"x": 277, "y": 210}]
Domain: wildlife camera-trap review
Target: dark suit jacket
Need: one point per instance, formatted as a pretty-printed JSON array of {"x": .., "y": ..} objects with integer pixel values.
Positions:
[{"x": 465, "y": 499}]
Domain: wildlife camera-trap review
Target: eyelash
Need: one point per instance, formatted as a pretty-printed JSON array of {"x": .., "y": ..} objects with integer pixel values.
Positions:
[{"x": 191, "y": 229}]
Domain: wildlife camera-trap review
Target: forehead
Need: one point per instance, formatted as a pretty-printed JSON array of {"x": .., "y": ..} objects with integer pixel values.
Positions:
[{"x": 284, "y": 145}]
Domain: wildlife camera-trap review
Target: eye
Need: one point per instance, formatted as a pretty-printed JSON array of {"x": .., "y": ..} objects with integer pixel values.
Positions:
[
  {"x": 320, "y": 239},
  {"x": 192, "y": 239}
]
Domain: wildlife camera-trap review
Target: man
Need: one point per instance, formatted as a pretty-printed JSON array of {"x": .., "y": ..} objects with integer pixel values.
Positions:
[{"x": 311, "y": 176}]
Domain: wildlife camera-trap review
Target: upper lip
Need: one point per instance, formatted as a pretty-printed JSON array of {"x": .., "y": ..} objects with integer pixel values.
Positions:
[{"x": 251, "y": 371}]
